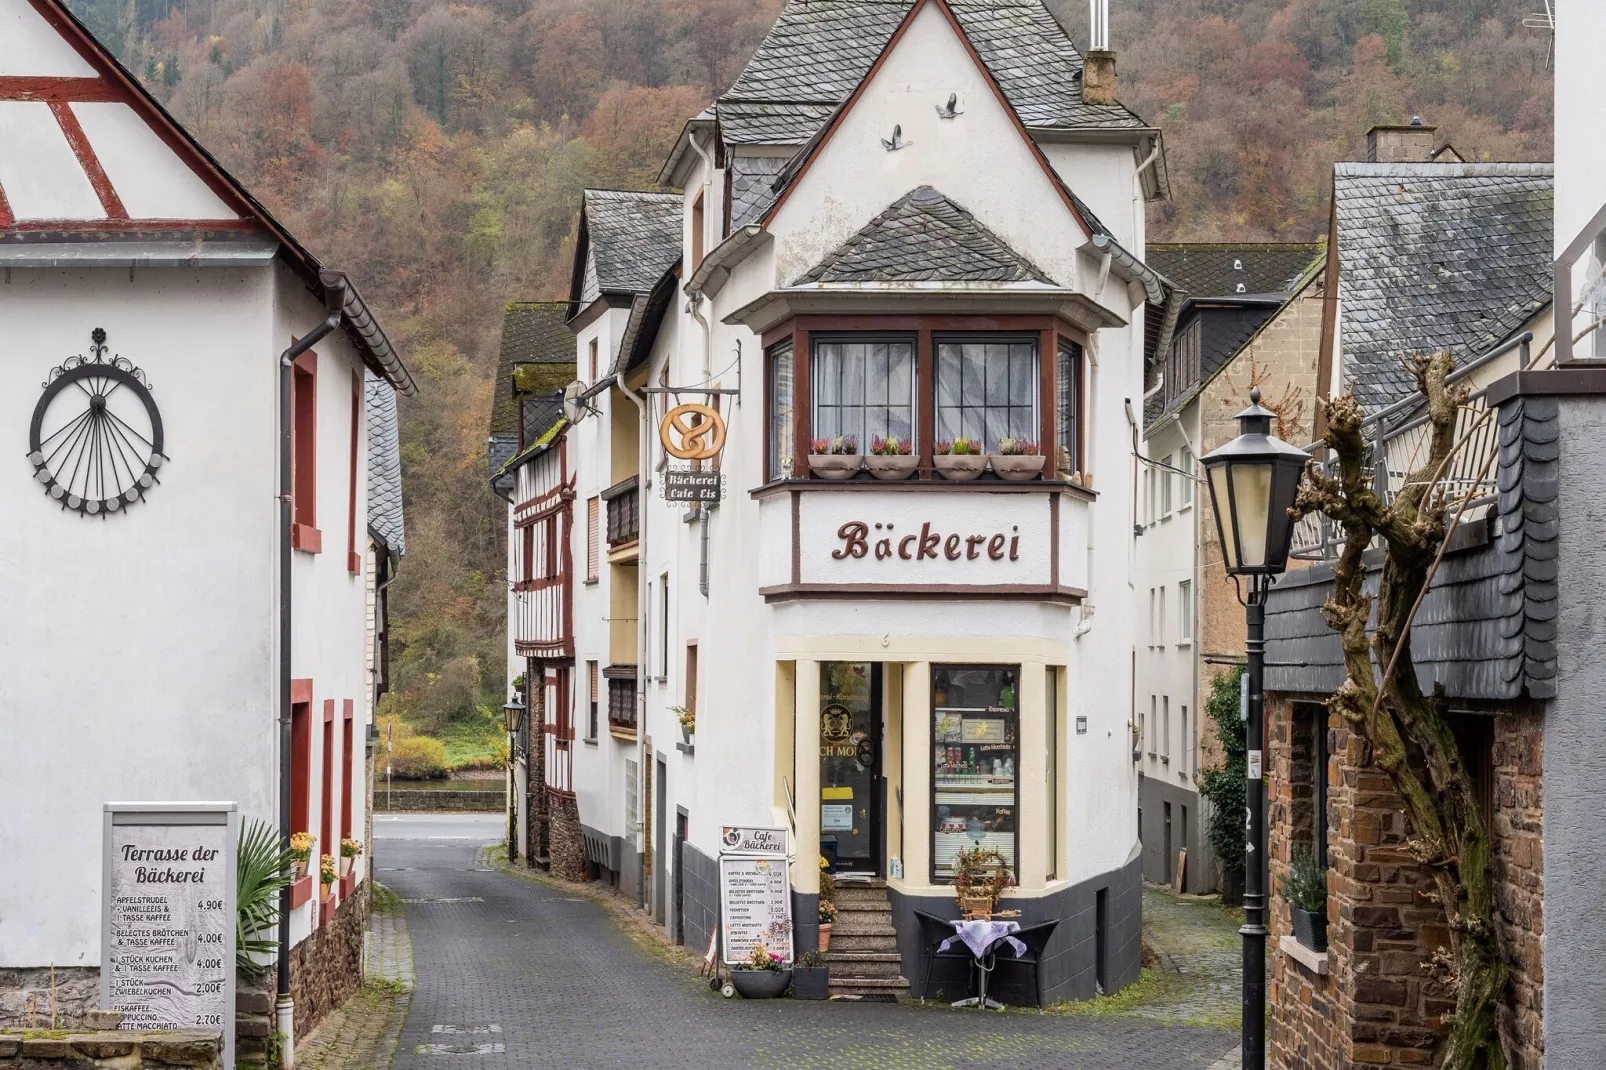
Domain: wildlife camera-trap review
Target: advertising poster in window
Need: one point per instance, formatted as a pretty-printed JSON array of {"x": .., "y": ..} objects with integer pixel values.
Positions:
[
  {"x": 167, "y": 942},
  {"x": 975, "y": 750}
]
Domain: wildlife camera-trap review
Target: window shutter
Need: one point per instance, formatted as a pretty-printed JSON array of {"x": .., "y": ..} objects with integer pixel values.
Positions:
[{"x": 593, "y": 554}]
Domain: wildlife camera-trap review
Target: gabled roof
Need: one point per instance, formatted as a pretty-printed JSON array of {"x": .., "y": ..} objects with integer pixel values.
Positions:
[
  {"x": 384, "y": 466},
  {"x": 1231, "y": 269},
  {"x": 630, "y": 237},
  {"x": 924, "y": 237},
  {"x": 537, "y": 358},
  {"x": 88, "y": 158},
  {"x": 1436, "y": 256}
]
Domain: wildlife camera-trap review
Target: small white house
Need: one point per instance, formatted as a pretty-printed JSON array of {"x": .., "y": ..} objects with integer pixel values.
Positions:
[
  {"x": 186, "y": 563},
  {"x": 910, "y": 222}
]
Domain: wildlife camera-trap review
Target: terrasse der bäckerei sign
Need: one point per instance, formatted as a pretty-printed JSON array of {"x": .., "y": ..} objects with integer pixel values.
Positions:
[
  {"x": 755, "y": 893},
  {"x": 168, "y": 929}
]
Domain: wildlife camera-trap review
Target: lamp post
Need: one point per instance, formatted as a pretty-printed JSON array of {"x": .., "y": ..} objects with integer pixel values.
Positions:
[
  {"x": 512, "y": 714},
  {"x": 1253, "y": 481}
]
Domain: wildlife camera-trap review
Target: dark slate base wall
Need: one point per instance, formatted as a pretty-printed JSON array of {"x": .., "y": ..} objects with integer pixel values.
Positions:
[
  {"x": 699, "y": 876},
  {"x": 806, "y": 922},
  {"x": 1200, "y": 876},
  {"x": 1070, "y": 960}
]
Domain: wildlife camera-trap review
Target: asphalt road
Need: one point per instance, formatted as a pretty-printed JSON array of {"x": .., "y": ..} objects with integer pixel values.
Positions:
[{"x": 510, "y": 973}]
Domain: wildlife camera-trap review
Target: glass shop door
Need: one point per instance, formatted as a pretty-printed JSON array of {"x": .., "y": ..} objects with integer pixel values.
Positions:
[{"x": 851, "y": 788}]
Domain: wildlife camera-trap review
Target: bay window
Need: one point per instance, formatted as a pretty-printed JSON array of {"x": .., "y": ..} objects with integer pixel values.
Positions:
[
  {"x": 1068, "y": 406},
  {"x": 863, "y": 388},
  {"x": 987, "y": 391}
]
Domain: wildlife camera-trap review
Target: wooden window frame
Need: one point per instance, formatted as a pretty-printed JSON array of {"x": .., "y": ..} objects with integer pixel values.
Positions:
[
  {"x": 326, "y": 809},
  {"x": 300, "y": 756},
  {"x": 593, "y": 355},
  {"x": 348, "y": 710},
  {"x": 688, "y": 686},
  {"x": 1047, "y": 329},
  {"x": 699, "y": 229},
  {"x": 527, "y": 554},
  {"x": 354, "y": 559},
  {"x": 304, "y": 533},
  {"x": 593, "y": 685}
]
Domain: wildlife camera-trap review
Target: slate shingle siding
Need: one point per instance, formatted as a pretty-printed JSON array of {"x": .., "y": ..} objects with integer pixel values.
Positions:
[
  {"x": 634, "y": 237},
  {"x": 924, "y": 237},
  {"x": 1436, "y": 256},
  {"x": 1486, "y": 628},
  {"x": 753, "y": 186},
  {"x": 770, "y": 122},
  {"x": 384, "y": 464},
  {"x": 533, "y": 332}
]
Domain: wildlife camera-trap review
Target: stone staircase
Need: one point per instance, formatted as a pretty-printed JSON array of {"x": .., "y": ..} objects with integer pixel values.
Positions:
[{"x": 864, "y": 956}]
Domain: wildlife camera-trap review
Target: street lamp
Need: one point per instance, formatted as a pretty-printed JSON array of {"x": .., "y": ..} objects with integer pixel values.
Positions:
[
  {"x": 1253, "y": 482},
  {"x": 512, "y": 714}
]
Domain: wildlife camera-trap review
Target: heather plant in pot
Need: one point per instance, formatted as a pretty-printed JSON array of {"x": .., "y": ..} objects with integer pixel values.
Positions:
[
  {"x": 764, "y": 975},
  {"x": 959, "y": 458},
  {"x": 1017, "y": 459},
  {"x": 810, "y": 977},
  {"x": 891, "y": 457},
  {"x": 1304, "y": 886},
  {"x": 836, "y": 457}
]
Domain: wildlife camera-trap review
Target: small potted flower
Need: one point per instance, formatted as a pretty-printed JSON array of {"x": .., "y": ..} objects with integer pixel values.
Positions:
[
  {"x": 300, "y": 853},
  {"x": 328, "y": 871},
  {"x": 959, "y": 459},
  {"x": 836, "y": 457},
  {"x": 763, "y": 976},
  {"x": 687, "y": 719},
  {"x": 827, "y": 903},
  {"x": 350, "y": 849},
  {"x": 811, "y": 977},
  {"x": 891, "y": 458},
  {"x": 1305, "y": 888},
  {"x": 1017, "y": 459}
]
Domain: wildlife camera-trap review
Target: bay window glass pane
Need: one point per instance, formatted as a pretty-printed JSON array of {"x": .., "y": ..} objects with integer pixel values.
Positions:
[
  {"x": 975, "y": 753},
  {"x": 863, "y": 388},
  {"x": 987, "y": 391},
  {"x": 1068, "y": 405},
  {"x": 782, "y": 438}
]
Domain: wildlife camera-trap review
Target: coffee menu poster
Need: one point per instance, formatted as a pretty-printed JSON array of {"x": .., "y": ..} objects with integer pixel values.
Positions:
[
  {"x": 169, "y": 928},
  {"x": 755, "y": 907}
]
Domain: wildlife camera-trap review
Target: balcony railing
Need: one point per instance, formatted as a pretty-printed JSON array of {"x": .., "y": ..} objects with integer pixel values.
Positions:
[
  {"x": 624, "y": 523},
  {"x": 621, "y": 697},
  {"x": 1398, "y": 440}
]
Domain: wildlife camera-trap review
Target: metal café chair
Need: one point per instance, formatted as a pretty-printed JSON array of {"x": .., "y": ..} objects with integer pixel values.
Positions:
[
  {"x": 1036, "y": 939},
  {"x": 933, "y": 931}
]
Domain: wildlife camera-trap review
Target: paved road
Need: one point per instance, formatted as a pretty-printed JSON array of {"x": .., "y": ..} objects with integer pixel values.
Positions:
[{"x": 563, "y": 986}]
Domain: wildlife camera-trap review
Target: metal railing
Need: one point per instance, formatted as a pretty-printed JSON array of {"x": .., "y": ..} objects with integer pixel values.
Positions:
[{"x": 1398, "y": 440}]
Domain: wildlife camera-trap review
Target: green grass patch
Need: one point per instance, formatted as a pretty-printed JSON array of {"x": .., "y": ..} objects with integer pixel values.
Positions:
[
  {"x": 471, "y": 741},
  {"x": 1150, "y": 985}
]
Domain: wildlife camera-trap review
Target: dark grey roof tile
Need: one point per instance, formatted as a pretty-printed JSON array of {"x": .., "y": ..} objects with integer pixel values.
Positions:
[
  {"x": 1232, "y": 269},
  {"x": 384, "y": 464},
  {"x": 634, "y": 237},
  {"x": 753, "y": 186}
]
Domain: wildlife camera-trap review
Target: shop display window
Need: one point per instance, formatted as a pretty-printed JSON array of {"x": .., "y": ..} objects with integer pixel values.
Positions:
[{"x": 976, "y": 759}]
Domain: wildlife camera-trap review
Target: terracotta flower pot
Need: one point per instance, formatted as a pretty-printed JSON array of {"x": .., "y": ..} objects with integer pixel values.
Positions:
[
  {"x": 1018, "y": 468},
  {"x": 834, "y": 465},
  {"x": 892, "y": 467},
  {"x": 825, "y": 937},
  {"x": 969, "y": 466}
]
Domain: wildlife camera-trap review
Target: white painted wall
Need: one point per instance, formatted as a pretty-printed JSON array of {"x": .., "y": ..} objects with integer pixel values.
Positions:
[
  {"x": 140, "y": 649},
  {"x": 29, "y": 46},
  {"x": 1579, "y": 139}
]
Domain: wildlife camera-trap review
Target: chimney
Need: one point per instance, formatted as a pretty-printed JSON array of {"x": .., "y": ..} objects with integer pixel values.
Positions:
[
  {"x": 1098, "y": 67},
  {"x": 1401, "y": 144}
]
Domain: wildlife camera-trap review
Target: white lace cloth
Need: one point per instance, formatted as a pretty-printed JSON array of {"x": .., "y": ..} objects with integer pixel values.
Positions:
[{"x": 982, "y": 937}]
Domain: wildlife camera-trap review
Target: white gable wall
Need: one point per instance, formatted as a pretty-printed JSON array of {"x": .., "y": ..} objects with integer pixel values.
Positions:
[
  {"x": 41, "y": 177},
  {"x": 30, "y": 47},
  {"x": 150, "y": 179},
  {"x": 980, "y": 160}
]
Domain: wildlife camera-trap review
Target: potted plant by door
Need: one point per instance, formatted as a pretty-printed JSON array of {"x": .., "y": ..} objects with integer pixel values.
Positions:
[
  {"x": 891, "y": 458},
  {"x": 1305, "y": 888},
  {"x": 763, "y": 976},
  {"x": 688, "y": 721},
  {"x": 980, "y": 879},
  {"x": 349, "y": 850},
  {"x": 835, "y": 458},
  {"x": 1017, "y": 459},
  {"x": 811, "y": 977},
  {"x": 300, "y": 853},
  {"x": 959, "y": 459}
]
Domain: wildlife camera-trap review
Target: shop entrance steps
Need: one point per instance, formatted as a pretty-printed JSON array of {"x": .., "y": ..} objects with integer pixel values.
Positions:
[{"x": 864, "y": 958}]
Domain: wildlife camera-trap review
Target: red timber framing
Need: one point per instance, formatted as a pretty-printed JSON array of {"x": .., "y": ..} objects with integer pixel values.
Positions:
[
  {"x": 1048, "y": 330},
  {"x": 558, "y": 734},
  {"x": 544, "y": 621},
  {"x": 301, "y": 778}
]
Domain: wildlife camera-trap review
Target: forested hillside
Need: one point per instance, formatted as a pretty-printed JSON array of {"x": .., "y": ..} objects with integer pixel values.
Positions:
[{"x": 437, "y": 151}]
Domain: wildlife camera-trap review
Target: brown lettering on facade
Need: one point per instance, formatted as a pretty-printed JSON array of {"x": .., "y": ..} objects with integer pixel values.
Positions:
[
  {"x": 1014, "y": 546},
  {"x": 928, "y": 542},
  {"x": 903, "y": 548},
  {"x": 973, "y": 546},
  {"x": 929, "y": 545},
  {"x": 950, "y": 548},
  {"x": 883, "y": 549},
  {"x": 995, "y": 547},
  {"x": 853, "y": 535}
]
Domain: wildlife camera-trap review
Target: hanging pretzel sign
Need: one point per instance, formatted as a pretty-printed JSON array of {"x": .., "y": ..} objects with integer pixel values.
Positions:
[{"x": 692, "y": 432}]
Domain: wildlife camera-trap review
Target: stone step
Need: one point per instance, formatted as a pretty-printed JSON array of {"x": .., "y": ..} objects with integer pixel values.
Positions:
[
  {"x": 850, "y": 924},
  {"x": 841, "y": 941},
  {"x": 854, "y": 965},
  {"x": 896, "y": 987}
]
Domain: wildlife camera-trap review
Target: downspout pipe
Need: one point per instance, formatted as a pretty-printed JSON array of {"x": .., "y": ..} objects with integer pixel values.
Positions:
[
  {"x": 702, "y": 240},
  {"x": 334, "y": 300},
  {"x": 642, "y": 653}
]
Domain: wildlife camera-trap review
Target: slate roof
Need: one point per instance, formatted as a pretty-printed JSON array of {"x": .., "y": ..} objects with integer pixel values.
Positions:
[
  {"x": 1219, "y": 269},
  {"x": 384, "y": 465},
  {"x": 819, "y": 50},
  {"x": 924, "y": 237},
  {"x": 753, "y": 186},
  {"x": 771, "y": 123},
  {"x": 533, "y": 333},
  {"x": 633, "y": 237},
  {"x": 1487, "y": 627},
  {"x": 1436, "y": 256}
]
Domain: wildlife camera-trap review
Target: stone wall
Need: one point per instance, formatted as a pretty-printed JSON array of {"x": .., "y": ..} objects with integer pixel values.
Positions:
[
  {"x": 568, "y": 854},
  {"x": 426, "y": 801},
  {"x": 326, "y": 967},
  {"x": 1375, "y": 1005},
  {"x": 27, "y": 995},
  {"x": 111, "y": 1050}
]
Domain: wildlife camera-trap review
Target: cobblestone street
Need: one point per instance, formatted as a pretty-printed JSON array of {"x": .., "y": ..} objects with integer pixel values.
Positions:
[{"x": 513, "y": 973}]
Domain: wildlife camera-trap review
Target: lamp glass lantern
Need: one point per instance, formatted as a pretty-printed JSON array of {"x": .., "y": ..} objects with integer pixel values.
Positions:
[
  {"x": 1253, "y": 482},
  {"x": 513, "y": 712}
]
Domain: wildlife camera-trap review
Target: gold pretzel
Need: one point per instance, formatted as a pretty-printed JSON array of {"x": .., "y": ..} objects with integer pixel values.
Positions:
[{"x": 693, "y": 436}]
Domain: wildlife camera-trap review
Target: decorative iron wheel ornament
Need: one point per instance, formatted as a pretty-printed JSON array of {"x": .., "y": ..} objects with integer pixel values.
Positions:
[{"x": 96, "y": 438}]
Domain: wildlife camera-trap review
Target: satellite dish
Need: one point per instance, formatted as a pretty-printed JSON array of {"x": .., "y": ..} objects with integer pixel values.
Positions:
[{"x": 574, "y": 407}]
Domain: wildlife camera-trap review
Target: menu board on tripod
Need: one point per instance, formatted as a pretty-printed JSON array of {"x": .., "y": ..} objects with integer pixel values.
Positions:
[
  {"x": 168, "y": 926},
  {"x": 755, "y": 905}
]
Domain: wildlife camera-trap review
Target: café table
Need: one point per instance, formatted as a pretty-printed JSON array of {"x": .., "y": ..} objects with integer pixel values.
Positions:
[{"x": 982, "y": 938}]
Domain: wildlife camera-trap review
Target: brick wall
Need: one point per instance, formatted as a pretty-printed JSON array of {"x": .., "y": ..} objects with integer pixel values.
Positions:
[
  {"x": 568, "y": 858},
  {"x": 1376, "y": 1006},
  {"x": 326, "y": 967}
]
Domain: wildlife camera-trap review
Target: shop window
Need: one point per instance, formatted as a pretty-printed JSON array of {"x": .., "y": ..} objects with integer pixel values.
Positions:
[
  {"x": 1068, "y": 387},
  {"x": 975, "y": 733},
  {"x": 987, "y": 391},
  {"x": 783, "y": 435},
  {"x": 864, "y": 388}
]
